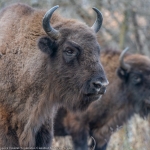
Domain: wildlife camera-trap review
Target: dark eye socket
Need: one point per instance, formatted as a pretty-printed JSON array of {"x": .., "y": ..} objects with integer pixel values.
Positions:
[{"x": 70, "y": 53}]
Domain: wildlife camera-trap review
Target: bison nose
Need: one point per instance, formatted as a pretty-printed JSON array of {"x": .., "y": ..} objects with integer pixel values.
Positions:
[{"x": 98, "y": 86}]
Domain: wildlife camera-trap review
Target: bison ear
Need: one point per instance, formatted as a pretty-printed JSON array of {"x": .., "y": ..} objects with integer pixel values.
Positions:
[
  {"x": 47, "y": 45},
  {"x": 122, "y": 73}
]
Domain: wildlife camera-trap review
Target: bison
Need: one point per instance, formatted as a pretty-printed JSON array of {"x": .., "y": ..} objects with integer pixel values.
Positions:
[
  {"x": 46, "y": 61},
  {"x": 128, "y": 93}
]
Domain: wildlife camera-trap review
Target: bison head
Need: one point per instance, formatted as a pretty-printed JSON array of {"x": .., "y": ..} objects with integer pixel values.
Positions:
[
  {"x": 134, "y": 72},
  {"x": 73, "y": 55}
]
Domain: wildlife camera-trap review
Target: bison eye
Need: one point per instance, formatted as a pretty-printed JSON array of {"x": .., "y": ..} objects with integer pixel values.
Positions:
[
  {"x": 136, "y": 79},
  {"x": 70, "y": 52}
]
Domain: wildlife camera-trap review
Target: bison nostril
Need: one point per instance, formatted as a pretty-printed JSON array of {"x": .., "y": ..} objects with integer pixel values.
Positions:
[{"x": 97, "y": 85}]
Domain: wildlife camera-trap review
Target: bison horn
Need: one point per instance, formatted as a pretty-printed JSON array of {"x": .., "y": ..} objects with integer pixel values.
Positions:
[
  {"x": 123, "y": 65},
  {"x": 46, "y": 24},
  {"x": 99, "y": 20}
]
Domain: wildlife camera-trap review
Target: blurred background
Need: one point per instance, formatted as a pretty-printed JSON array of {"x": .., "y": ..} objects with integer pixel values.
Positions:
[{"x": 126, "y": 23}]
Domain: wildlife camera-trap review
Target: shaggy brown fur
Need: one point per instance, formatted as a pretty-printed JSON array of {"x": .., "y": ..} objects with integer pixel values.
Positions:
[
  {"x": 127, "y": 93},
  {"x": 37, "y": 74}
]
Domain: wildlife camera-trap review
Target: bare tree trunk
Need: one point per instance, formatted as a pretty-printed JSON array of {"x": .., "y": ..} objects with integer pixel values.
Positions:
[
  {"x": 123, "y": 31},
  {"x": 136, "y": 33}
]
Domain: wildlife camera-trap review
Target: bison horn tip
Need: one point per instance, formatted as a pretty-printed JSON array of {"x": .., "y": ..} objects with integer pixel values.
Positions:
[
  {"x": 99, "y": 20},
  {"x": 123, "y": 65},
  {"x": 53, "y": 33}
]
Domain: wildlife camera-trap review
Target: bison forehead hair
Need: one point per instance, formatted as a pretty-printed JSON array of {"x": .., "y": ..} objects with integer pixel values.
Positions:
[{"x": 139, "y": 61}]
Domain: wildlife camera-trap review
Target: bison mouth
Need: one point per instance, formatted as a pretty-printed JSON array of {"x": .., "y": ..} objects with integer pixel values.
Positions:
[
  {"x": 93, "y": 97},
  {"x": 96, "y": 95},
  {"x": 87, "y": 100},
  {"x": 90, "y": 97}
]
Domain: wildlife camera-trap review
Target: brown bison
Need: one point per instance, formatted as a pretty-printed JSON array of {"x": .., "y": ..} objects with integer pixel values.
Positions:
[
  {"x": 42, "y": 67},
  {"x": 127, "y": 93}
]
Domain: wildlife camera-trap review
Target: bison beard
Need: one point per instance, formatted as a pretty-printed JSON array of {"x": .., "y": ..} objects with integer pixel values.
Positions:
[
  {"x": 127, "y": 94},
  {"x": 43, "y": 67}
]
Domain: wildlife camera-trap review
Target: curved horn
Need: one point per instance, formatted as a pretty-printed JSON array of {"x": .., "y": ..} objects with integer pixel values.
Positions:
[
  {"x": 99, "y": 20},
  {"x": 46, "y": 24},
  {"x": 122, "y": 63}
]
